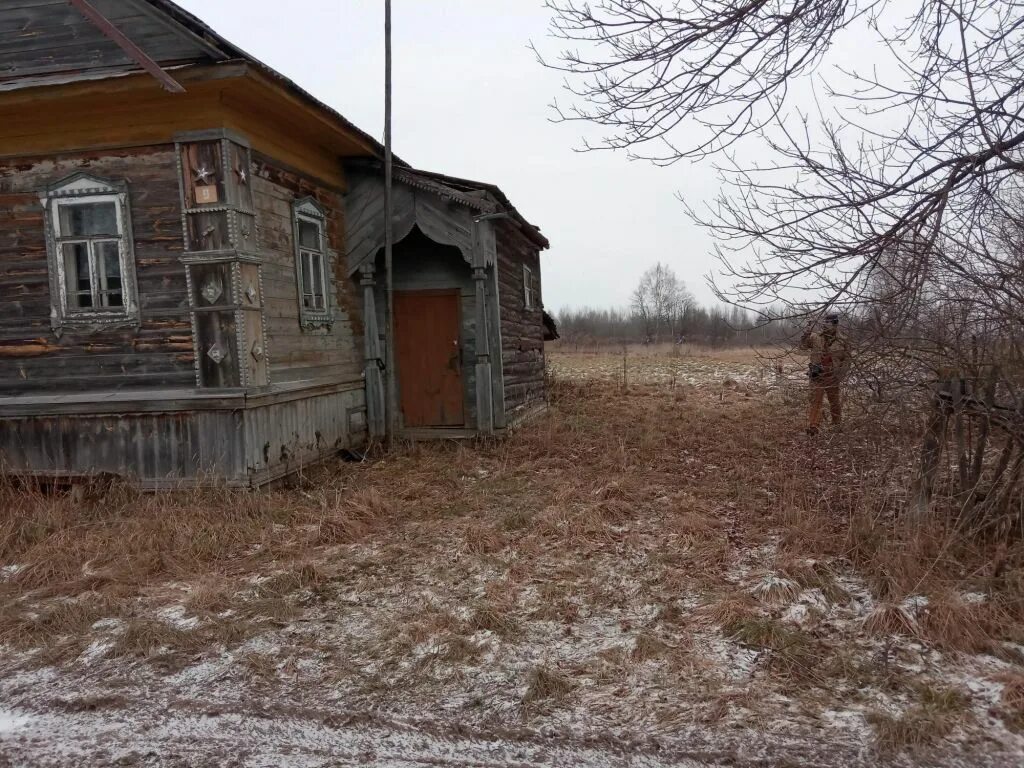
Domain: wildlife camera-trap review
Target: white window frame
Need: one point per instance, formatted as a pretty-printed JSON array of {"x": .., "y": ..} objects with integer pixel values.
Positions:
[
  {"x": 79, "y": 189},
  {"x": 310, "y": 318},
  {"x": 528, "y": 292}
]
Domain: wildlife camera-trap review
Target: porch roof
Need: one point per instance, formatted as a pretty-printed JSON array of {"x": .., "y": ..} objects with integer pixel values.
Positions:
[{"x": 480, "y": 196}]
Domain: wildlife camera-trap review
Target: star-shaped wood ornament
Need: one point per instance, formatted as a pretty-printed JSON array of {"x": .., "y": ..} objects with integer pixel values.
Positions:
[
  {"x": 243, "y": 175},
  {"x": 203, "y": 174}
]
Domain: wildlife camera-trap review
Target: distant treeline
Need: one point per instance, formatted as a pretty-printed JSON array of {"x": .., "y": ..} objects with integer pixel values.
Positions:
[
  {"x": 712, "y": 326},
  {"x": 663, "y": 310}
]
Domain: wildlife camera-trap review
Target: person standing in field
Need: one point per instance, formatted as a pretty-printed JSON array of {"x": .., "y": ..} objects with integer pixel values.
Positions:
[{"x": 829, "y": 358}]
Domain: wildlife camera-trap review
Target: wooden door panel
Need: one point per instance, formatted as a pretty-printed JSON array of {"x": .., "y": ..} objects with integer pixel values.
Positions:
[{"x": 428, "y": 358}]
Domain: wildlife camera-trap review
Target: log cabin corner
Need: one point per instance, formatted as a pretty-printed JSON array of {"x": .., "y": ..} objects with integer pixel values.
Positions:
[{"x": 191, "y": 266}]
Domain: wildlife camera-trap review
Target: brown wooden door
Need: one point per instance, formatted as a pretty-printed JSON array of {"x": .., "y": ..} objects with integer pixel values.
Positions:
[{"x": 428, "y": 357}]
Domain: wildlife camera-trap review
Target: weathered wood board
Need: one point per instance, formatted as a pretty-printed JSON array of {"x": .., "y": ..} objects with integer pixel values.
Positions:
[
  {"x": 522, "y": 328},
  {"x": 157, "y": 354}
]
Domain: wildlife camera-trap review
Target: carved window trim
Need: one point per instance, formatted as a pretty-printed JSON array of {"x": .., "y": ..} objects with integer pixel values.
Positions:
[
  {"x": 307, "y": 210},
  {"x": 82, "y": 188}
]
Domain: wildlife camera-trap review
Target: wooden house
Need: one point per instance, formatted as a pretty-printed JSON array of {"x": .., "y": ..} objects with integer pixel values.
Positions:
[{"x": 191, "y": 271}]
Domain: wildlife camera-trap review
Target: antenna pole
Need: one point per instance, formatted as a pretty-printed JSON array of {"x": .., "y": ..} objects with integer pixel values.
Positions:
[{"x": 392, "y": 421}]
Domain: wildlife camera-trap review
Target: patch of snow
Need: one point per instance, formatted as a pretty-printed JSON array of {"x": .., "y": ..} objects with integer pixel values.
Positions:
[
  {"x": 862, "y": 603},
  {"x": 12, "y": 721},
  {"x": 426, "y": 649},
  {"x": 846, "y": 720},
  {"x": 737, "y": 661},
  {"x": 914, "y": 605},
  {"x": 203, "y": 673},
  {"x": 97, "y": 650},
  {"x": 988, "y": 691},
  {"x": 9, "y": 571},
  {"x": 108, "y": 625},
  {"x": 798, "y": 614},
  {"x": 260, "y": 644},
  {"x": 175, "y": 616},
  {"x": 814, "y": 598},
  {"x": 776, "y": 589}
]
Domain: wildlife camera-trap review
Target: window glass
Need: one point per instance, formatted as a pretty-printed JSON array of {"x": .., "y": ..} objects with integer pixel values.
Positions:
[
  {"x": 311, "y": 260},
  {"x": 108, "y": 270},
  {"x": 89, "y": 254},
  {"x": 77, "y": 275},
  {"x": 307, "y": 280},
  {"x": 309, "y": 235},
  {"x": 313, "y": 289},
  {"x": 88, "y": 219},
  {"x": 318, "y": 281}
]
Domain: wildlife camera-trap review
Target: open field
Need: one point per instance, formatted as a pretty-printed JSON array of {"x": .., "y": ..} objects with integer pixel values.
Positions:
[{"x": 670, "y": 574}]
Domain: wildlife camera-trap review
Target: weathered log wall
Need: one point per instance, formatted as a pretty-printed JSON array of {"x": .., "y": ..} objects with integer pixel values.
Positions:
[
  {"x": 158, "y": 353},
  {"x": 298, "y": 354},
  {"x": 522, "y": 328}
]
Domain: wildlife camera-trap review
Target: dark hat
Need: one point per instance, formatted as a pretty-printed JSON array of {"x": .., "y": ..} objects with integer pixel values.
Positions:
[{"x": 832, "y": 317}]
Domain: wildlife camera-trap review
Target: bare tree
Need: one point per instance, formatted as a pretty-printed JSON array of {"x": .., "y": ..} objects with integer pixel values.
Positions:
[
  {"x": 831, "y": 197},
  {"x": 898, "y": 201},
  {"x": 659, "y": 302}
]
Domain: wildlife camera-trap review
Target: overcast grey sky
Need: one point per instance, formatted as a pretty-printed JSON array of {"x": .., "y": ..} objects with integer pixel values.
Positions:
[{"x": 471, "y": 100}]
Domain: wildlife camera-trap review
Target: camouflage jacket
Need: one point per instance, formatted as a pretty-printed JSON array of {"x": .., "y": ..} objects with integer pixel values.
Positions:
[{"x": 829, "y": 357}]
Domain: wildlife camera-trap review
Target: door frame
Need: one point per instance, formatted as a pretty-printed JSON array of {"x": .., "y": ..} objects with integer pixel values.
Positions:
[{"x": 457, "y": 293}]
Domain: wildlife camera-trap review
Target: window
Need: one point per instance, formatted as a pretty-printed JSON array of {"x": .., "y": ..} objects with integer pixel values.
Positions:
[
  {"x": 312, "y": 266},
  {"x": 89, "y": 244},
  {"x": 529, "y": 291}
]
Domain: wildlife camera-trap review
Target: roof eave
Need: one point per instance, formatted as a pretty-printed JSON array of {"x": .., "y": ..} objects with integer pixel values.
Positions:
[{"x": 494, "y": 200}]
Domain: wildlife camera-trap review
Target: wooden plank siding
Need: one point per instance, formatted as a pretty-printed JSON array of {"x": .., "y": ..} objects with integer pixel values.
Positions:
[
  {"x": 179, "y": 443},
  {"x": 158, "y": 353},
  {"x": 522, "y": 329},
  {"x": 298, "y": 354}
]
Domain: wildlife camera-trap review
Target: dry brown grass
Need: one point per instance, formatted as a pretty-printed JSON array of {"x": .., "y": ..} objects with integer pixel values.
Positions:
[
  {"x": 890, "y": 619},
  {"x": 460, "y": 650},
  {"x": 60, "y": 627},
  {"x": 648, "y": 646},
  {"x": 936, "y": 714},
  {"x": 545, "y": 685},
  {"x": 209, "y": 595},
  {"x": 493, "y": 617},
  {"x": 613, "y": 503},
  {"x": 730, "y": 609},
  {"x": 776, "y": 590},
  {"x": 739, "y": 354},
  {"x": 952, "y": 624},
  {"x": 143, "y": 638},
  {"x": 261, "y": 667},
  {"x": 133, "y": 539},
  {"x": 1011, "y": 700}
]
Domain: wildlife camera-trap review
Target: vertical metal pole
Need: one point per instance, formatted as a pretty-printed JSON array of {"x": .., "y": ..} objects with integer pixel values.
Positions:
[{"x": 389, "y": 335}]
